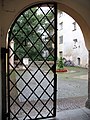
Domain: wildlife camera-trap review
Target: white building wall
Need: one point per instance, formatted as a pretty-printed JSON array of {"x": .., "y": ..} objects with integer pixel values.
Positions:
[{"x": 71, "y": 50}]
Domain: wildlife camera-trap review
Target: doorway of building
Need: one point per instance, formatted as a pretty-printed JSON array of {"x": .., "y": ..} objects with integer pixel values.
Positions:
[
  {"x": 79, "y": 61},
  {"x": 72, "y": 85},
  {"x": 32, "y": 80}
]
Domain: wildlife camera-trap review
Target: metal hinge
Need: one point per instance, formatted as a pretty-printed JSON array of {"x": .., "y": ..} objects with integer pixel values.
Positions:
[
  {"x": 4, "y": 50},
  {"x": 7, "y": 115}
]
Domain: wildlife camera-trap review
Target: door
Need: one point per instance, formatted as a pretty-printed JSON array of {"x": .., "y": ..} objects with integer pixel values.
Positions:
[{"x": 32, "y": 54}]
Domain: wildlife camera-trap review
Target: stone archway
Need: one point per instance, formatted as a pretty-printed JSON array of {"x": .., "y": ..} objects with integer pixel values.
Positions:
[{"x": 10, "y": 9}]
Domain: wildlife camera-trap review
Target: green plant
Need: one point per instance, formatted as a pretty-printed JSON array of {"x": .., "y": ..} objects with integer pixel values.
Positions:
[{"x": 60, "y": 64}]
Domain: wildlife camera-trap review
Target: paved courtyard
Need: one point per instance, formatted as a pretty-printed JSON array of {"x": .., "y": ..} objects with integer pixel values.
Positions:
[
  {"x": 74, "y": 83},
  {"x": 71, "y": 89}
]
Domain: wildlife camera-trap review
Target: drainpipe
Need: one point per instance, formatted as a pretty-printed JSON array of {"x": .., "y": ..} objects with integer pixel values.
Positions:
[
  {"x": 88, "y": 100},
  {"x": 3, "y": 75},
  {"x": 0, "y": 89}
]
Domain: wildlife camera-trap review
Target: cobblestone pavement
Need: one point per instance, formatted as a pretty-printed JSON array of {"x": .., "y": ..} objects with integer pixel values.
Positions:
[
  {"x": 71, "y": 91},
  {"x": 62, "y": 105},
  {"x": 70, "y": 103}
]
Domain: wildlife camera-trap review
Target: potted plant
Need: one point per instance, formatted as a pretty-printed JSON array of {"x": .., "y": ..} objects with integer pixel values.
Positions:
[{"x": 60, "y": 66}]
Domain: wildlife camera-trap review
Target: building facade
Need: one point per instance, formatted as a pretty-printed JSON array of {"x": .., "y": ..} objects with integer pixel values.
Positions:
[{"x": 71, "y": 45}]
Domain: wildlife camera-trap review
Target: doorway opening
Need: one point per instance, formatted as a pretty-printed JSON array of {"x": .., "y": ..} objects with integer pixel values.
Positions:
[
  {"x": 32, "y": 57},
  {"x": 72, "y": 85},
  {"x": 78, "y": 61}
]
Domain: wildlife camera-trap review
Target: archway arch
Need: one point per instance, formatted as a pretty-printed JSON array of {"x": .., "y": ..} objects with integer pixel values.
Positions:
[{"x": 65, "y": 8}]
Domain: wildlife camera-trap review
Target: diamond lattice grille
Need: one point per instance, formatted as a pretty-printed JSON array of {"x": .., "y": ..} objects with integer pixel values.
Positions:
[{"x": 31, "y": 63}]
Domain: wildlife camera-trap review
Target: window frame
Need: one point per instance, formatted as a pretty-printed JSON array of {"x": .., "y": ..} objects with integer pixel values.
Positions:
[
  {"x": 61, "y": 39},
  {"x": 74, "y": 26},
  {"x": 60, "y": 25}
]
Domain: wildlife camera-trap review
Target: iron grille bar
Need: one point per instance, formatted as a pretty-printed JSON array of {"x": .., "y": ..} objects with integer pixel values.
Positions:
[
  {"x": 55, "y": 53},
  {"x": 3, "y": 71}
]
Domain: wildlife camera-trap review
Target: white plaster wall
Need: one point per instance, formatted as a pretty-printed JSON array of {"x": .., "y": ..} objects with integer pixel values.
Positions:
[
  {"x": 68, "y": 44},
  {"x": 81, "y": 50}
]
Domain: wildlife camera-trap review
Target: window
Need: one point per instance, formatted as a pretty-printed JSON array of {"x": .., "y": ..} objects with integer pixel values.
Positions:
[
  {"x": 61, "y": 25},
  {"x": 60, "y": 14},
  {"x": 74, "y": 26},
  {"x": 75, "y": 43},
  {"x": 61, "y": 40},
  {"x": 78, "y": 61},
  {"x": 60, "y": 53}
]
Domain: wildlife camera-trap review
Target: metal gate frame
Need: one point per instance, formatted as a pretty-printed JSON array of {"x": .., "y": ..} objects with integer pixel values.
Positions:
[{"x": 7, "y": 112}]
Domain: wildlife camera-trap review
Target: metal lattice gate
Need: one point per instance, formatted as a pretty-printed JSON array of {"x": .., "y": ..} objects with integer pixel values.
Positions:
[{"x": 32, "y": 63}]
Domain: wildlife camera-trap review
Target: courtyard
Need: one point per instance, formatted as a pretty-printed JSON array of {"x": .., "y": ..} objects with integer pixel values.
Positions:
[
  {"x": 72, "y": 83},
  {"x": 72, "y": 89}
]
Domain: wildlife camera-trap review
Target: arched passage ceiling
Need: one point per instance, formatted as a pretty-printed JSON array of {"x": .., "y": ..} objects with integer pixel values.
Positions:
[{"x": 78, "y": 9}]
